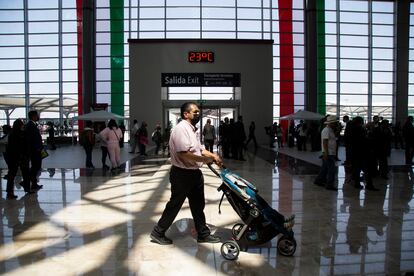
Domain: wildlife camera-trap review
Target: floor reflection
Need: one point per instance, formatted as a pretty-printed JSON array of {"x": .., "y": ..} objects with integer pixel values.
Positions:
[{"x": 94, "y": 222}]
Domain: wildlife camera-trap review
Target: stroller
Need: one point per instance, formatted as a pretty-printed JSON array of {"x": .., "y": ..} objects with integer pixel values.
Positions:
[{"x": 261, "y": 222}]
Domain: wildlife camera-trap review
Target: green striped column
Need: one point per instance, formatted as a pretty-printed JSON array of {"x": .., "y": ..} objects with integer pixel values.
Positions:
[
  {"x": 321, "y": 66},
  {"x": 117, "y": 56}
]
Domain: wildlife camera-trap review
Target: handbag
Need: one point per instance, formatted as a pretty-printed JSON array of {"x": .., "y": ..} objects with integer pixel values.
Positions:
[
  {"x": 44, "y": 153},
  {"x": 143, "y": 140}
]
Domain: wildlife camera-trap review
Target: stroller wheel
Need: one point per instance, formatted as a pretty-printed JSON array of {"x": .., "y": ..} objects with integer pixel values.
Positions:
[
  {"x": 286, "y": 246},
  {"x": 230, "y": 250},
  {"x": 236, "y": 229}
]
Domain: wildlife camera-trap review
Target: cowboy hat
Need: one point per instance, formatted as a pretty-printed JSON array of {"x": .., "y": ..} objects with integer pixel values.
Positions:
[{"x": 331, "y": 119}]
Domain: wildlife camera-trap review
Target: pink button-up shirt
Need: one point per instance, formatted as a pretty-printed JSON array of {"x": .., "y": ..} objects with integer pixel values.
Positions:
[{"x": 184, "y": 138}]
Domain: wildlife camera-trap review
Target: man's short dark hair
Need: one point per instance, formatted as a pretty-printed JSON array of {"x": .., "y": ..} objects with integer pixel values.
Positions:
[
  {"x": 358, "y": 120},
  {"x": 186, "y": 107},
  {"x": 32, "y": 114}
]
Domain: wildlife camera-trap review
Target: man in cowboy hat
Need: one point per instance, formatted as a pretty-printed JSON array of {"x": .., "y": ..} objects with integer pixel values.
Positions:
[{"x": 326, "y": 175}]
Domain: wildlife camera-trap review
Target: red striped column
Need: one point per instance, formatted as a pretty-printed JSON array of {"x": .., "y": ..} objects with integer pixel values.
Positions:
[
  {"x": 286, "y": 86},
  {"x": 286, "y": 60}
]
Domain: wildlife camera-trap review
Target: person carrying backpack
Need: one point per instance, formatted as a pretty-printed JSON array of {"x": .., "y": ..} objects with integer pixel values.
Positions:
[
  {"x": 87, "y": 141},
  {"x": 156, "y": 137}
]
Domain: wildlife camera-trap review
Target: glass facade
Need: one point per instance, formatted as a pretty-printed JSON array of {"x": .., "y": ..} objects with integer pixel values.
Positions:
[
  {"x": 38, "y": 57},
  {"x": 359, "y": 58},
  {"x": 411, "y": 64},
  {"x": 39, "y": 50}
]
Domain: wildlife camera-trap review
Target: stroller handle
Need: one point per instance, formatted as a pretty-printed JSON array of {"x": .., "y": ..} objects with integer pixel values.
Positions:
[{"x": 214, "y": 170}]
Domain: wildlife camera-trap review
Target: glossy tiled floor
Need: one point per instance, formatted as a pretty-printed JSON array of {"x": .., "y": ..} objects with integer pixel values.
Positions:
[{"x": 94, "y": 223}]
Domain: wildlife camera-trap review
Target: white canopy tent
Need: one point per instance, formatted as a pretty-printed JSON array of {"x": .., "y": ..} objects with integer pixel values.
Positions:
[
  {"x": 42, "y": 104},
  {"x": 302, "y": 115},
  {"x": 100, "y": 115}
]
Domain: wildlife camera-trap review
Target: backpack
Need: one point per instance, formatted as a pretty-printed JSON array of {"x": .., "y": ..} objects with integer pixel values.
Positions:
[
  {"x": 156, "y": 136},
  {"x": 86, "y": 138}
]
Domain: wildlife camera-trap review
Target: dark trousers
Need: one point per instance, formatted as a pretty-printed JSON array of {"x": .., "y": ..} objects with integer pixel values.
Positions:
[
  {"x": 398, "y": 141},
  {"x": 280, "y": 141},
  {"x": 104, "y": 151},
  {"x": 209, "y": 143},
  {"x": 12, "y": 171},
  {"x": 291, "y": 141},
  {"x": 240, "y": 148},
  {"x": 237, "y": 150},
  {"x": 142, "y": 149},
  {"x": 88, "y": 152},
  {"x": 254, "y": 141},
  {"x": 225, "y": 145},
  {"x": 408, "y": 152},
  {"x": 157, "y": 147},
  {"x": 51, "y": 143},
  {"x": 185, "y": 184},
  {"x": 327, "y": 172},
  {"x": 383, "y": 165},
  {"x": 35, "y": 166},
  {"x": 271, "y": 141},
  {"x": 301, "y": 143},
  {"x": 6, "y": 158},
  {"x": 358, "y": 165},
  {"x": 347, "y": 154}
]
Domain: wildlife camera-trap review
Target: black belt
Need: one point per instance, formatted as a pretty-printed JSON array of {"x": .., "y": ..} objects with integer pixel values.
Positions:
[{"x": 184, "y": 170}]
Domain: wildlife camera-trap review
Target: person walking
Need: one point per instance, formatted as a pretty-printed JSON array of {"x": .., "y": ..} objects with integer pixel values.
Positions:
[
  {"x": 398, "y": 138},
  {"x": 383, "y": 141},
  {"x": 291, "y": 134},
  {"x": 156, "y": 137},
  {"x": 121, "y": 140},
  {"x": 134, "y": 138},
  {"x": 226, "y": 137},
  {"x": 270, "y": 131},
  {"x": 209, "y": 133},
  {"x": 360, "y": 154},
  {"x": 34, "y": 146},
  {"x": 143, "y": 139},
  {"x": 166, "y": 140},
  {"x": 302, "y": 131},
  {"x": 112, "y": 134},
  {"x": 252, "y": 136},
  {"x": 187, "y": 156},
  {"x": 279, "y": 134},
  {"x": 18, "y": 157},
  {"x": 347, "y": 132},
  {"x": 408, "y": 133},
  {"x": 87, "y": 141},
  {"x": 51, "y": 138},
  {"x": 238, "y": 139},
  {"x": 3, "y": 144},
  {"x": 326, "y": 175},
  {"x": 104, "y": 148}
]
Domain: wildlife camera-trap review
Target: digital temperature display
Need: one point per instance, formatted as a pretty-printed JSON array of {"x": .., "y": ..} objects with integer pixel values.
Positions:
[{"x": 201, "y": 57}]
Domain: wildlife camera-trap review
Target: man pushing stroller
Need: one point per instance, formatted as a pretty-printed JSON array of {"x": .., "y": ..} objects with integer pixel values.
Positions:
[{"x": 187, "y": 156}]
